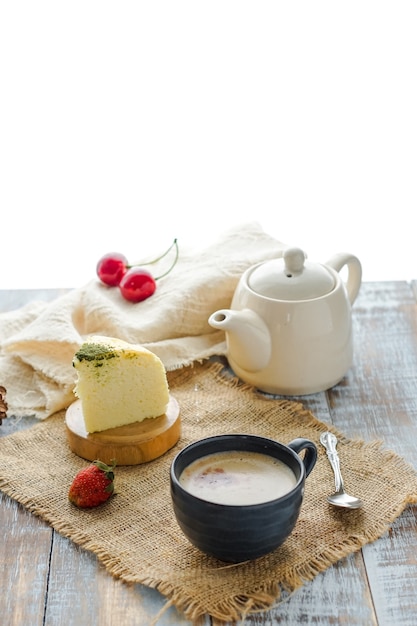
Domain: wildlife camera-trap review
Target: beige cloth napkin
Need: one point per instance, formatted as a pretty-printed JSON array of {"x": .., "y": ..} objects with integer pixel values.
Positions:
[{"x": 38, "y": 341}]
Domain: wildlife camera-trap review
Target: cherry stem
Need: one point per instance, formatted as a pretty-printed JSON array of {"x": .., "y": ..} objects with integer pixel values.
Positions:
[
  {"x": 174, "y": 261},
  {"x": 174, "y": 243}
]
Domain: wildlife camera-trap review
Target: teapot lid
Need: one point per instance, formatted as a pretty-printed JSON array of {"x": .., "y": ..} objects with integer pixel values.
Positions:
[{"x": 291, "y": 278}]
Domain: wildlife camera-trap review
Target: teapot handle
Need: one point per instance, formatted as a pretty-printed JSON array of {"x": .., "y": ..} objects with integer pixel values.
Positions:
[{"x": 354, "y": 277}]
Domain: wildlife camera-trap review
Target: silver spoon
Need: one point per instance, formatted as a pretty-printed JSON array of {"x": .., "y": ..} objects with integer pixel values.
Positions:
[{"x": 339, "y": 497}]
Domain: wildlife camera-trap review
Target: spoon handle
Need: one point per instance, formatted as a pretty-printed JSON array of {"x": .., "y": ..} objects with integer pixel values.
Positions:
[{"x": 329, "y": 441}]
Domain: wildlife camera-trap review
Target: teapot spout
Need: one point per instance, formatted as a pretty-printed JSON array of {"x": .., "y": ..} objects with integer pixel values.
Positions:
[{"x": 247, "y": 335}]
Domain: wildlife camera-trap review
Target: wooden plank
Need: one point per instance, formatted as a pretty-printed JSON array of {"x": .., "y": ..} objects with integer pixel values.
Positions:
[
  {"x": 24, "y": 556},
  {"x": 391, "y": 564},
  {"x": 337, "y": 596},
  {"x": 12, "y": 299},
  {"x": 82, "y": 593},
  {"x": 378, "y": 400},
  {"x": 26, "y": 540}
]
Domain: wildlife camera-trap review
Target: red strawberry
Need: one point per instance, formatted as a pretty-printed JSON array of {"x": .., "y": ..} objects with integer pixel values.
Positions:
[{"x": 92, "y": 485}]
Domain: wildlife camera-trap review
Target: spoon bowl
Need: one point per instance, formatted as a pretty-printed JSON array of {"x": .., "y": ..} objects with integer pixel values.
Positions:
[
  {"x": 339, "y": 498},
  {"x": 343, "y": 499}
]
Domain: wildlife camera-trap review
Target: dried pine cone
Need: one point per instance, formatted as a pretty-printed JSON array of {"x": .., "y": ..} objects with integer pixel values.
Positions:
[{"x": 3, "y": 404}]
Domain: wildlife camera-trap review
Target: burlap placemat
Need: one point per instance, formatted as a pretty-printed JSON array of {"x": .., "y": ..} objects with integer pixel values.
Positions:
[{"x": 135, "y": 534}]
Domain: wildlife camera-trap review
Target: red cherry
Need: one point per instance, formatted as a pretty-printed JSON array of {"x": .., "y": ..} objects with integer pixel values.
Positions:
[
  {"x": 137, "y": 284},
  {"x": 111, "y": 268}
]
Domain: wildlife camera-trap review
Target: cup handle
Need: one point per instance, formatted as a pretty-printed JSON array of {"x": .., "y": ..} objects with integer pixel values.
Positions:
[{"x": 310, "y": 456}]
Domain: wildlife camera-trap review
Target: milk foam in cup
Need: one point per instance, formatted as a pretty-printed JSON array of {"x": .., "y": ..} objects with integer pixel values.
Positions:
[{"x": 238, "y": 477}]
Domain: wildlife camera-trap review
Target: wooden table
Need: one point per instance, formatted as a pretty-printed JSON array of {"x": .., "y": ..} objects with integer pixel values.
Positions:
[{"x": 46, "y": 579}]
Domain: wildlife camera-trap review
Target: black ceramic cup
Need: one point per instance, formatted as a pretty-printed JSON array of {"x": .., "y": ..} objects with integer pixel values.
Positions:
[{"x": 237, "y": 533}]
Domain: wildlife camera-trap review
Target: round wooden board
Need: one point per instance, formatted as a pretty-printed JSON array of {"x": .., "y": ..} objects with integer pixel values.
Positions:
[{"x": 127, "y": 445}]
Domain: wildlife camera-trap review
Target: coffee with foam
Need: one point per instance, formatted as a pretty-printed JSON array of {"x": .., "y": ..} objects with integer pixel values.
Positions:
[{"x": 238, "y": 478}]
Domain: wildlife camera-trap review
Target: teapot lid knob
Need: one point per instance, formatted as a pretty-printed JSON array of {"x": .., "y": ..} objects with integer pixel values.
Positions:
[{"x": 294, "y": 261}]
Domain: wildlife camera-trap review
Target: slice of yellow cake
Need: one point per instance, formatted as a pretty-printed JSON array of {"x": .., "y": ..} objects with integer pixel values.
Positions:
[{"x": 118, "y": 383}]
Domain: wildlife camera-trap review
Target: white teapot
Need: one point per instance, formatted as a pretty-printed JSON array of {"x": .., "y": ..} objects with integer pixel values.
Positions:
[{"x": 289, "y": 328}]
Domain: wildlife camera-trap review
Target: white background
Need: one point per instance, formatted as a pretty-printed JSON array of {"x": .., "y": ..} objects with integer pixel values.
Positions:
[{"x": 126, "y": 124}]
